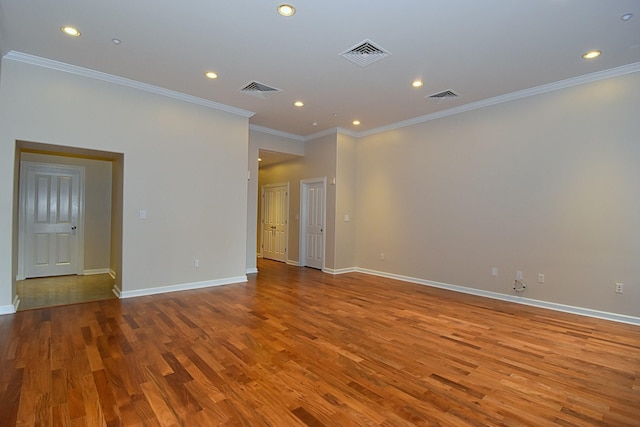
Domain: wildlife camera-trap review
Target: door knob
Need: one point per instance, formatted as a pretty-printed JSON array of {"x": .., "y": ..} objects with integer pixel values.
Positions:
[{"x": 73, "y": 227}]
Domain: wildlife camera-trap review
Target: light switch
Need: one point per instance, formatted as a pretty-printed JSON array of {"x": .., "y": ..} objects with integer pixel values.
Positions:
[
  {"x": 142, "y": 214},
  {"x": 346, "y": 218}
]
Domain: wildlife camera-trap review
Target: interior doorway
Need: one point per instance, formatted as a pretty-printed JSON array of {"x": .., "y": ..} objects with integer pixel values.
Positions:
[{"x": 48, "y": 233}]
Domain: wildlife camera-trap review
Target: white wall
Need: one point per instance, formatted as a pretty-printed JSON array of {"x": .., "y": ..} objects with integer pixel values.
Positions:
[
  {"x": 546, "y": 184},
  {"x": 184, "y": 164}
]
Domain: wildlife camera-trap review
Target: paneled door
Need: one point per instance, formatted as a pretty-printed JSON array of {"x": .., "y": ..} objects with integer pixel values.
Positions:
[
  {"x": 275, "y": 219},
  {"x": 51, "y": 206},
  {"x": 313, "y": 222}
]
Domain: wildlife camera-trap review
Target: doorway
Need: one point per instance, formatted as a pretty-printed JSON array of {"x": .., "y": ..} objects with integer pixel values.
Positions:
[
  {"x": 52, "y": 229},
  {"x": 312, "y": 222},
  {"x": 275, "y": 221}
]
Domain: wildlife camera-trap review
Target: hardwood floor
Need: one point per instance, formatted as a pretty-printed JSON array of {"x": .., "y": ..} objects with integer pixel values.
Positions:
[
  {"x": 60, "y": 290},
  {"x": 295, "y": 347}
]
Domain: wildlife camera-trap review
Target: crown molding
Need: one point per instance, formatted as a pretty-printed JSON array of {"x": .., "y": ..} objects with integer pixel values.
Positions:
[
  {"x": 276, "y": 132},
  {"x": 525, "y": 93},
  {"x": 320, "y": 134},
  {"x": 97, "y": 75}
]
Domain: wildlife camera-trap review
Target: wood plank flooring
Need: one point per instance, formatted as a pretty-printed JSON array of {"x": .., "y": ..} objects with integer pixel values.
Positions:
[{"x": 296, "y": 347}]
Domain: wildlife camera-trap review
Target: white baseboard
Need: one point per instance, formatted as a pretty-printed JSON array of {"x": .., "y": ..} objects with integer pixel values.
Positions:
[
  {"x": 181, "y": 287},
  {"x": 253, "y": 270},
  {"x": 340, "y": 270},
  {"x": 112, "y": 273},
  {"x": 96, "y": 271},
  {"x": 622, "y": 318},
  {"x": 11, "y": 308},
  {"x": 294, "y": 263},
  {"x": 116, "y": 291},
  {"x": 7, "y": 309}
]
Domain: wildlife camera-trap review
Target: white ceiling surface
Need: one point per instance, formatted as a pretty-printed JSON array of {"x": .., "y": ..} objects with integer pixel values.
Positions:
[{"x": 479, "y": 49}]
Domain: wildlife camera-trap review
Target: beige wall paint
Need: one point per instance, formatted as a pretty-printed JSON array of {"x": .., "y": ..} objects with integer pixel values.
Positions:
[
  {"x": 97, "y": 206},
  {"x": 182, "y": 162},
  {"x": 346, "y": 180},
  {"x": 546, "y": 184}
]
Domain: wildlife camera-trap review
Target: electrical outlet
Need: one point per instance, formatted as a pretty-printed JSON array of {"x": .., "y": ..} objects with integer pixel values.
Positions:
[
  {"x": 196, "y": 263},
  {"x": 518, "y": 275},
  {"x": 494, "y": 271},
  {"x": 540, "y": 278},
  {"x": 381, "y": 257},
  {"x": 619, "y": 288}
]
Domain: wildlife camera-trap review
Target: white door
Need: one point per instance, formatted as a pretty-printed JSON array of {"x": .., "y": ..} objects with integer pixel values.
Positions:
[
  {"x": 51, "y": 205},
  {"x": 275, "y": 217},
  {"x": 313, "y": 222}
]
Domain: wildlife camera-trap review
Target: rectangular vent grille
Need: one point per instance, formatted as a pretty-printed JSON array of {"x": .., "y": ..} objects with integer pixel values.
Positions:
[
  {"x": 446, "y": 94},
  {"x": 365, "y": 53},
  {"x": 259, "y": 90}
]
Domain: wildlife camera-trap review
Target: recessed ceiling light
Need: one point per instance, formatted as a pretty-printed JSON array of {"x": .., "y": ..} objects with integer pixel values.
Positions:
[
  {"x": 116, "y": 41},
  {"x": 591, "y": 54},
  {"x": 298, "y": 104},
  {"x": 417, "y": 83},
  {"x": 626, "y": 16},
  {"x": 356, "y": 122},
  {"x": 71, "y": 31},
  {"x": 211, "y": 75},
  {"x": 286, "y": 10}
]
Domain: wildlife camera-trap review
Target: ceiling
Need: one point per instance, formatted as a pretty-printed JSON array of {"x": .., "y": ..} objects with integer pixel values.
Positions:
[{"x": 480, "y": 49}]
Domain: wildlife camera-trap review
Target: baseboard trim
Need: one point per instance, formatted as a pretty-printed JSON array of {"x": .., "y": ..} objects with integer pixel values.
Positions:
[
  {"x": 182, "y": 287},
  {"x": 253, "y": 270},
  {"x": 116, "y": 291},
  {"x": 7, "y": 309},
  {"x": 16, "y": 303},
  {"x": 96, "y": 271},
  {"x": 622, "y": 318},
  {"x": 340, "y": 270},
  {"x": 112, "y": 273},
  {"x": 294, "y": 263}
]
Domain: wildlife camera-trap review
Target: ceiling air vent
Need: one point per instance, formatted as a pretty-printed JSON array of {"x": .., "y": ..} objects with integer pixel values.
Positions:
[
  {"x": 444, "y": 95},
  {"x": 365, "y": 53},
  {"x": 259, "y": 90}
]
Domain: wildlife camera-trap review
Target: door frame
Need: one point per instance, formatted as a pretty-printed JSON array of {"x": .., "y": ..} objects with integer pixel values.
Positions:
[
  {"x": 22, "y": 213},
  {"x": 304, "y": 184},
  {"x": 283, "y": 184}
]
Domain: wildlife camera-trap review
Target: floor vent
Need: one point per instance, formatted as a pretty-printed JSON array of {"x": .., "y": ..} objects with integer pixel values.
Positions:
[
  {"x": 365, "y": 53},
  {"x": 259, "y": 90},
  {"x": 444, "y": 95}
]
